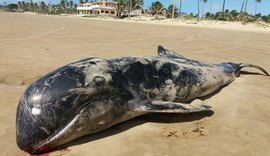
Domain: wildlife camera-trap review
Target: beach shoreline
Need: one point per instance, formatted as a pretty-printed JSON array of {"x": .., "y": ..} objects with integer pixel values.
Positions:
[
  {"x": 203, "y": 23},
  {"x": 257, "y": 26}
]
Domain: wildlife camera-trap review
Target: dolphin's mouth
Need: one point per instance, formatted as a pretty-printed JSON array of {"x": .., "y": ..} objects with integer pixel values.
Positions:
[
  {"x": 65, "y": 134},
  {"x": 70, "y": 130},
  {"x": 76, "y": 128},
  {"x": 57, "y": 139},
  {"x": 61, "y": 136}
]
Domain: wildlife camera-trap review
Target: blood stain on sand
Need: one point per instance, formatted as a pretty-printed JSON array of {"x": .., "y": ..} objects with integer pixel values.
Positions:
[
  {"x": 61, "y": 151},
  {"x": 45, "y": 154},
  {"x": 65, "y": 150}
]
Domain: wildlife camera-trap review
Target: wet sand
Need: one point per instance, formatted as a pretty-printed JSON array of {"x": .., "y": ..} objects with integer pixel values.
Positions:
[{"x": 33, "y": 45}]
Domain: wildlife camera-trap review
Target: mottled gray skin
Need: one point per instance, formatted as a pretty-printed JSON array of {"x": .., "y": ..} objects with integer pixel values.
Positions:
[{"x": 93, "y": 94}]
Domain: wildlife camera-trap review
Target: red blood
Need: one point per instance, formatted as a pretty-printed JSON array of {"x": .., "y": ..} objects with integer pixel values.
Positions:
[
  {"x": 47, "y": 154},
  {"x": 65, "y": 150}
]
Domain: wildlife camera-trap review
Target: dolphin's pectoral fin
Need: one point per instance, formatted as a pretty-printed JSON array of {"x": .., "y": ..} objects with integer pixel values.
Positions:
[
  {"x": 170, "y": 107},
  {"x": 162, "y": 51}
]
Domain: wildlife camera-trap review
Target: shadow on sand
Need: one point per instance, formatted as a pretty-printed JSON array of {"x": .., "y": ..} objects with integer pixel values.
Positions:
[
  {"x": 251, "y": 73},
  {"x": 157, "y": 117},
  {"x": 217, "y": 91}
]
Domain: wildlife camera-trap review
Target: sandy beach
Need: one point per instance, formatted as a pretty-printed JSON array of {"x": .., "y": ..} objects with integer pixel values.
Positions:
[
  {"x": 33, "y": 45},
  {"x": 257, "y": 26}
]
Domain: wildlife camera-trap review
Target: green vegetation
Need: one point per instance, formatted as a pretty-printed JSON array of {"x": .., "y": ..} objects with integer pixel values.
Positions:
[
  {"x": 233, "y": 15},
  {"x": 12, "y": 7},
  {"x": 64, "y": 6},
  {"x": 126, "y": 5},
  {"x": 224, "y": 15},
  {"x": 172, "y": 10},
  {"x": 156, "y": 8}
]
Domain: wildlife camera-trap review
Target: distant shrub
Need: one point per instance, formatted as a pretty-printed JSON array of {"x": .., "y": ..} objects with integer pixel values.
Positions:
[{"x": 12, "y": 7}]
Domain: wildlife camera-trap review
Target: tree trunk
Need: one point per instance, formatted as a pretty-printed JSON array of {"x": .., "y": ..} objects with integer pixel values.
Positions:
[
  {"x": 223, "y": 7},
  {"x": 173, "y": 9},
  {"x": 245, "y": 11},
  {"x": 243, "y": 6},
  {"x": 130, "y": 6},
  {"x": 180, "y": 7},
  {"x": 66, "y": 6},
  {"x": 211, "y": 7},
  {"x": 256, "y": 7},
  {"x": 246, "y": 6},
  {"x": 198, "y": 16}
]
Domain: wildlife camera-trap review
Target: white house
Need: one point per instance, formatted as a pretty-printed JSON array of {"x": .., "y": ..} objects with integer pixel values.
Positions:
[{"x": 101, "y": 7}]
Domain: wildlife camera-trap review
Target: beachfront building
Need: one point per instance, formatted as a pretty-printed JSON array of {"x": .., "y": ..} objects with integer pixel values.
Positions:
[
  {"x": 136, "y": 11},
  {"x": 102, "y": 7}
]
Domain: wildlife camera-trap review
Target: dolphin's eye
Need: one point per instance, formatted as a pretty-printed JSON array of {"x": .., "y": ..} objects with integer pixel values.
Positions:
[{"x": 99, "y": 81}]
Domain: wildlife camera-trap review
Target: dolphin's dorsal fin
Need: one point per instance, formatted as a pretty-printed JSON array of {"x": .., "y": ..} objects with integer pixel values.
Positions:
[
  {"x": 169, "y": 107},
  {"x": 162, "y": 51}
]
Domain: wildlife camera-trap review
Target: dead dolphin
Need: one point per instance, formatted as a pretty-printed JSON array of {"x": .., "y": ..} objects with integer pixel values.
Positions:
[{"x": 93, "y": 94}]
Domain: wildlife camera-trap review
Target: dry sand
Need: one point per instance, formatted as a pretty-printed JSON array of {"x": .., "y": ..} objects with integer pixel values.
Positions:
[{"x": 33, "y": 45}]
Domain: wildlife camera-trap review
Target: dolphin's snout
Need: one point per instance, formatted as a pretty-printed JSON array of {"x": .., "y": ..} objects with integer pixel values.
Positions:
[
  {"x": 24, "y": 145},
  {"x": 47, "y": 106},
  {"x": 49, "y": 111},
  {"x": 22, "y": 141},
  {"x": 30, "y": 131}
]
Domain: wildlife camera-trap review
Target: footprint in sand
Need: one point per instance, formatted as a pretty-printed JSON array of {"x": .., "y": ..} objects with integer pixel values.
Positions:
[
  {"x": 187, "y": 133},
  {"x": 194, "y": 132}
]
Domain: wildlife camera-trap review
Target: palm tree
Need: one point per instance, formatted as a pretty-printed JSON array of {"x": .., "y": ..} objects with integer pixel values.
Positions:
[
  {"x": 257, "y": 1},
  {"x": 171, "y": 11},
  {"x": 62, "y": 4},
  {"x": 81, "y": 1},
  {"x": 180, "y": 7},
  {"x": 23, "y": 5},
  {"x": 243, "y": 4},
  {"x": 27, "y": 5},
  {"x": 67, "y": 4},
  {"x": 223, "y": 7},
  {"x": 204, "y": 1},
  {"x": 19, "y": 4},
  {"x": 31, "y": 6},
  {"x": 121, "y": 5},
  {"x": 211, "y": 4},
  {"x": 242, "y": 14},
  {"x": 35, "y": 7},
  {"x": 71, "y": 4},
  {"x": 130, "y": 7},
  {"x": 137, "y": 3},
  {"x": 50, "y": 8},
  {"x": 42, "y": 6},
  {"x": 156, "y": 7},
  {"x": 198, "y": 16},
  {"x": 75, "y": 8},
  {"x": 246, "y": 6},
  {"x": 133, "y": 3}
]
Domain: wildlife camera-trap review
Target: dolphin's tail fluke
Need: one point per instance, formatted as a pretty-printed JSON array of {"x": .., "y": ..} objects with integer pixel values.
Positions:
[{"x": 238, "y": 67}]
